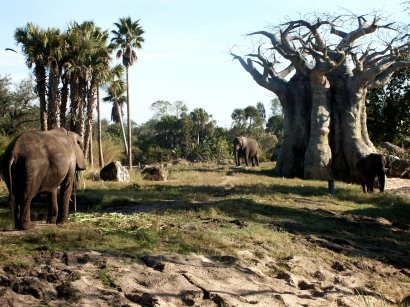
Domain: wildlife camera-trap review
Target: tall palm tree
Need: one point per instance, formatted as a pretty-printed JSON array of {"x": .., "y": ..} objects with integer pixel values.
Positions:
[
  {"x": 81, "y": 46},
  {"x": 116, "y": 90},
  {"x": 127, "y": 38},
  {"x": 33, "y": 40},
  {"x": 55, "y": 49},
  {"x": 98, "y": 63}
]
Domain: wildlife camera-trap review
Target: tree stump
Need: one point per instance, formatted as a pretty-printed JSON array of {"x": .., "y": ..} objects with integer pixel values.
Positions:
[{"x": 157, "y": 173}]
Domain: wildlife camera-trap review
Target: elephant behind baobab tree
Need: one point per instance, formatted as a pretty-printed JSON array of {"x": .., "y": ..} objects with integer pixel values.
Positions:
[{"x": 331, "y": 64}]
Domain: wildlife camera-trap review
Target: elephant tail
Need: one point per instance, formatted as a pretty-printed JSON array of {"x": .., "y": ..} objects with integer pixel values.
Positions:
[{"x": 11, "y": 195}]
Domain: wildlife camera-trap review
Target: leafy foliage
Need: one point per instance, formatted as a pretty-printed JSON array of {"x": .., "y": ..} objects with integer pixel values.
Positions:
[
  {"x": 18, "y": 111},
  {"x": 388, "y": 110}
]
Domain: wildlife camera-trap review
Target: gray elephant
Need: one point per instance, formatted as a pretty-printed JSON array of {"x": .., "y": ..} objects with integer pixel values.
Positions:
[
  {"x": 368, "y": 168},
  {"x": 41, "y": 161},
  {"x": 246, "y": 147}
]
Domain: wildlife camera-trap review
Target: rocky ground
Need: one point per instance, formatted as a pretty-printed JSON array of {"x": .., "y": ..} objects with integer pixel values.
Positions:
[{"x": 89, "y": 278}]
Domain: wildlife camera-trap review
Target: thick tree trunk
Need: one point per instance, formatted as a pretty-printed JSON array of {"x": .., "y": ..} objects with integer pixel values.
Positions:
[
  {"x": 296, "y": 109},
  {"x": 318, "y": 156},
  {"x": 350, "y": 140},
  {"x": 354, "y": 145}
]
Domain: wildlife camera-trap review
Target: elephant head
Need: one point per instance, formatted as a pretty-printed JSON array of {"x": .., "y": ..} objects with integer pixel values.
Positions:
[
  {"x": 239, "y": 144},
  {"x": 77, "y": 144},
  {"x": 368, "y": 168}
]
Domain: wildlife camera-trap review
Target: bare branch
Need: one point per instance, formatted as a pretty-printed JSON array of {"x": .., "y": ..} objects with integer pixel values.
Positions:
[
  {"x": 274, "y": 83},
  {"x": 380, "y": 73},
  {"x": 382, "y": 79},
  {"x": 286, "y": 71}
]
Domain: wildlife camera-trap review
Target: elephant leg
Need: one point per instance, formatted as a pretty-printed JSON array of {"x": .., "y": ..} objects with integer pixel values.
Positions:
[
  {"x": 52, "y": 207},
  {"x": 24, "y": 219},
  {"x": 237, "y": 158},
  {"x": 257, "y": 160},
  {"x": 363, "y": 186},
  {"x": 65, "y": 192},
  {"x": 247, "y": 158},
  {"x": 17, "y": 215},
  {"x": 370, "y": 184}
]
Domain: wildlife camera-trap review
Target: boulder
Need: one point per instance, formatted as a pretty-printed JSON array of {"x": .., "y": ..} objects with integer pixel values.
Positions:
[
  {"x": 400, "y": 168},
  {"x": 114, "y": 171},
  {"x": 157, "y": 173},
  {"x": 393, "y": 149}
]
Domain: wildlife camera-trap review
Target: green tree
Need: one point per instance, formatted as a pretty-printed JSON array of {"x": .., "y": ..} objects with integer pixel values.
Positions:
[
  {"x": 33, "y": 40},
  {"x": 127, "y": 37},
  {"x": 116, "y": 95},
  {"x": 276, "y": 107},
  {"x": 238, "y": 122},
  {"x": 18, "y": 111},
  {"x": 99, "y": 71},
  {"x": 261, "y": 111},
  {"x": 202, "y": 124},
  {"x": 275, "y": 126},
  {"x": 389, "y": 108},
  {"x": 161, "y": 108},
  {"x": 179, "y": 107}
]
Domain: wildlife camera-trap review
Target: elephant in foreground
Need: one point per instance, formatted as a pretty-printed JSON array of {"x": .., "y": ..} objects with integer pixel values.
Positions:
[
  {"x": 41, "y": 161},
  {"x": 247, "y": 147},
  {"x": 368, "y": 168}
]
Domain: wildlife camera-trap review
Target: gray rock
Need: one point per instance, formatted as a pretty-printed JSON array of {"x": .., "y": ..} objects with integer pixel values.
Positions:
[
  {"x": 400, "y": 168},
  {"x": 114, "y": 171}
]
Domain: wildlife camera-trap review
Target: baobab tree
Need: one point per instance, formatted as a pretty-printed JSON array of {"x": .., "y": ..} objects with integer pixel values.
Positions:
[{"x": 321, "y": 68}]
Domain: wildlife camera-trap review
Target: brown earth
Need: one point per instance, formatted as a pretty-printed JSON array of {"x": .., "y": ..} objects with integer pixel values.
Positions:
[{"x": 89, "y": 278}]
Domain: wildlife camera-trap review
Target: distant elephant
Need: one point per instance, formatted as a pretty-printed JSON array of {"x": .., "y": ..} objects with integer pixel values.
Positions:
[
  {"x": 368, "y": 168},
  {"x": 247, "y": 147},
  {"x": 41, "y": 161}
]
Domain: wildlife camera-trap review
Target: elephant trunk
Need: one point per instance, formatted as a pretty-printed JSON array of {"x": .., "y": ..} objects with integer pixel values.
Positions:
[{"x": 236, "y": 153}]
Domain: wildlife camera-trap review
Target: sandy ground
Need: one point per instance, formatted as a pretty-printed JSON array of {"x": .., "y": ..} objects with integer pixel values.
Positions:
[{"x": 91, "y": 279}]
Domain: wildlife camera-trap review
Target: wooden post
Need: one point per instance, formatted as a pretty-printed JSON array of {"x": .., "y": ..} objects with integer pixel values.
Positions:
[{"x": 331, "y": 186}]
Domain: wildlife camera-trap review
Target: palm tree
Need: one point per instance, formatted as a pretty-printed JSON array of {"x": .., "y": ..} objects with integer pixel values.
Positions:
[
  {"x": 98, "y": 63},
  {"x": 33, "y": 40},
  {"x": 55, "y": 49},
  {"x": 127, "y": 38},
  {"x": 116, "y": 91},
  {"x": 200, "y": 119}
]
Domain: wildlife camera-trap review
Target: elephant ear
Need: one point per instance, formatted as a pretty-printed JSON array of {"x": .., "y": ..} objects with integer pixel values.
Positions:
[{"x": 77, "y": 144}]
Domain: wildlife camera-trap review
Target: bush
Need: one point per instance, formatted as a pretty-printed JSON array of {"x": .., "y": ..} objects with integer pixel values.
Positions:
[{"x": 113, "y": 150}]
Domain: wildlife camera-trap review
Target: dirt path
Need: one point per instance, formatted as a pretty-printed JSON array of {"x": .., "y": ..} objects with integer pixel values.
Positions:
[{"x": 90, "y": 279}]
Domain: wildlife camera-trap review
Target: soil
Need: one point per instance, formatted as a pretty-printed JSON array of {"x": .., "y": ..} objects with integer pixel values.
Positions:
[{"x": 89, "y": 278}]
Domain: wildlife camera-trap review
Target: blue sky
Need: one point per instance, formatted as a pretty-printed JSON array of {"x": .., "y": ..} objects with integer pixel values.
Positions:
[{"x": 187, "y": 43}]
